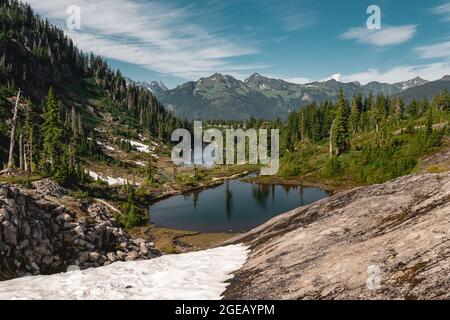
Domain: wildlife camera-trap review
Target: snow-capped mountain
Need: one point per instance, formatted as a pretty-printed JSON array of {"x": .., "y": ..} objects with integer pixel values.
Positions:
[
  {"x": 404, "y": 85},
  {"x": 156, "y": 87}
]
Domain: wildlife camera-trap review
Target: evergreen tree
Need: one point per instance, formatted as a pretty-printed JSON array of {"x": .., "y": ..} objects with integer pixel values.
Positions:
[
  {"x": 340, "y": 130},
  {"x": 355, "y": 114},
  {"x": 51, "y": 132}
]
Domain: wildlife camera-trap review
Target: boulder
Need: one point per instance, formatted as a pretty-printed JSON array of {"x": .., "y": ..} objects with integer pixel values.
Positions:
[
  {"x": 9, "y": 231},
  {"x": 94, "y": 256},
  {"x": 83, "y": 257}
]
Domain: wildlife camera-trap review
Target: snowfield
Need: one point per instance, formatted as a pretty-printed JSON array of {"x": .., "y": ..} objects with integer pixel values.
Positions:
[
  {"x": 198, "y": 275},
  {"x": 110, "y": 180}
]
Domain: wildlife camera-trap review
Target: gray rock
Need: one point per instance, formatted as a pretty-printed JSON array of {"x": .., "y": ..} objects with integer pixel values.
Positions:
[
  {"x": 387, "y": 241},
  {"x": 94, "y": 256},
  {"x": 64, "y": 217},
  {"x": 80, "y": 229},
  {"x": 138, "y": 241},
  {"x": 9, "y": 232},
  {"x": 25, "y": 229},
  {"x": 111, "y": 256},
  {"x": 38, "y": 233},
  {"x": 4, "y": 192},
  {"x": 34, "y": 266},
  {"x": 25, "y": 243},
  {"x": 70, "y": 225},
  {"x": 131, "y": 256},
  {"x": 4, "y": 214},
  {"x": 83, "y": 257},
  {"x": 101, "y": 260},
  {"x": 143, "y": 248},
  {"x": 121, "y": 255}
]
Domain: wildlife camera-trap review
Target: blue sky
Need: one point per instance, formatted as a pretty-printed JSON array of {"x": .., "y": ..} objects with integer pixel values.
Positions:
[{"x": 297, "y": 40}]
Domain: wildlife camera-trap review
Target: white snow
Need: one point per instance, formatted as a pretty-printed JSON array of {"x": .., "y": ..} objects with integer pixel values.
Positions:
[
  {"x": 139, "y": 163},
  {"x": 143, "y": 147},
  {"x": 106, "y": 146},
  {"x": 198, "y": 275},
  {"x": 139, "y": 146},
  {"x": 110, "y": 180}
]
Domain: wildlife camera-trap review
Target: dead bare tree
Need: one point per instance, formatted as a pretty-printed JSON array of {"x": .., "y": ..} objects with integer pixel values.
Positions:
[
  {"x": 331, "y": 140},
  {"x": 21, "y": 157},
  {"x": 9, "y": 168}
]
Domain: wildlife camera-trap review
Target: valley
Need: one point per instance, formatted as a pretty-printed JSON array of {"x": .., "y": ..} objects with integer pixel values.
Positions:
[{"x": 92, "y": 205}]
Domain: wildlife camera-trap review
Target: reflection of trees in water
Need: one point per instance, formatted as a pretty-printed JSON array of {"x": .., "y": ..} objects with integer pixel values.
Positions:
[
  {"x": 195, "y": 196},
  {"x": 302, "y": 196},
  {"x": 261, "y": 194},
  {"x": 228, "y": 200}
]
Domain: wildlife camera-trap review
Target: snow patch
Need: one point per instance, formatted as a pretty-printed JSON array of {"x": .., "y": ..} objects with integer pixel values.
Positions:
[
  {"x": 110, "y": 180},
  {"x": 139, "y": 163},
  {"x": 198, "y": 275},
  {"x": 139, "y": 146},
  {"x": 106, "y": 146}
]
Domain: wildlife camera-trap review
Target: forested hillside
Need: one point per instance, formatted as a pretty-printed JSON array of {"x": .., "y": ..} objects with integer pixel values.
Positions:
[{"x": 65, "y": 95}]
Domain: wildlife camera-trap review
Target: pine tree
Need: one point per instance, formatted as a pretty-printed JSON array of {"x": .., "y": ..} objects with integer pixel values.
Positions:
[
  {"x": 340, "y": 130},
  {"x": 355, "y": 115},
  {"x": 52, "y": 133}
]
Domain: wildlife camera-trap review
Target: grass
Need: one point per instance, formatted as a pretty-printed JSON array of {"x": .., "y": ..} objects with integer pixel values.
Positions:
[{"x": 164, "y": 238}]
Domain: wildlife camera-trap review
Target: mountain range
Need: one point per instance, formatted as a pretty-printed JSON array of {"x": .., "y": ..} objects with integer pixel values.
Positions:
[{"x": 226, "y": 98}]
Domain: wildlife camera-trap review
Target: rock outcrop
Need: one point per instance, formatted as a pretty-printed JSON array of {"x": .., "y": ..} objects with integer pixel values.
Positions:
[
  {"x": 388, "y": 241},
  {"x": 39, "y": 234}
]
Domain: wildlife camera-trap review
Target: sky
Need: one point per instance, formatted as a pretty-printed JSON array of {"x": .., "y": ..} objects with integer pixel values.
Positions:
[{"x": 300, "y": 41}]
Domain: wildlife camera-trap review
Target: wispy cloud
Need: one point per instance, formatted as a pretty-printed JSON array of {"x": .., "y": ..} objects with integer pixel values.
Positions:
[
  {"x": 442, "y": 10},
  {"x": 437, "y": 50},
  {"x": 293, "y": 16},
  {"x": 387, "y": 36},
  {"x": 159, "y": 36},
  {"x": 298, "y": 21},
  {"x": 431, "y": 71}
]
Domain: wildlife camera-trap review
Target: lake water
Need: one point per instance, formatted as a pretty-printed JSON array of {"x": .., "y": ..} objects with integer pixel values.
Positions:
[{"x": 234, "y": 206}]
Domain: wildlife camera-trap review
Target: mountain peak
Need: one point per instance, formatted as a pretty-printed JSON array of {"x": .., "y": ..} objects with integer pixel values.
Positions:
[
  {"x": 417, "y": 81},
  {"x": 446, "y": 78},
  {"x": 155, "y": 87},
  {"x": 256, "y": 75}
]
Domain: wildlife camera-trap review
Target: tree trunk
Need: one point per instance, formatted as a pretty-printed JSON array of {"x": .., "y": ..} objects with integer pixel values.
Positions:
[
  {"x": 21, "y": 158},
  {"x": 31, "y": 150},
  {"x": 9, "y": 168},
  {"x": 25, "y": 157},
  {"x": 331, "y": 140}
]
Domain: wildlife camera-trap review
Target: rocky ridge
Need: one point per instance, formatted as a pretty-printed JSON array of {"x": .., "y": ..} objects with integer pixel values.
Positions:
[
  {"x": 387, "y": 241},
  {"x": 40, "y": 235}
]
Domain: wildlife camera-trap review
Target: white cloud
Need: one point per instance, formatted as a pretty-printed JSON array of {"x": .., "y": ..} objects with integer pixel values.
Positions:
[
  {"x": 337, "y": 77},
  {"x": 387, "y": 36},
  {"x": 443, "y": 10},
  {"x": 298, "y": 80},
  {"x": 437, "y": 50},
  {"x": 156, "y": 35},
  {"x": 431, "y": 71}
]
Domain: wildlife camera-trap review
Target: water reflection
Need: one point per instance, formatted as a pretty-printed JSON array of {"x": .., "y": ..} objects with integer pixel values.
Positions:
[{"x": 233, "y": 206}]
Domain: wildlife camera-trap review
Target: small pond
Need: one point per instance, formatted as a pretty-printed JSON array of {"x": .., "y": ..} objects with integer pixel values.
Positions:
[{"x": 234, "y": 206}]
